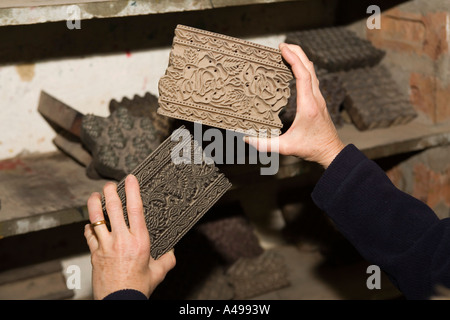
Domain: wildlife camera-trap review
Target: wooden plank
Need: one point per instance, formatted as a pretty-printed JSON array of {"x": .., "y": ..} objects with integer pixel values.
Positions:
[
  {"x": 22, "y": 273},
  {"x": 43, "y": 191},
  {"x": 18, "y": 15},
  {"x": 35, "y": 3},
  {"x": 73, "y": 149},
  {"x": 385, "y": 142},
  {"x": 379, "y": 143},
  {"x": 38, "y": 281},
  {"x": 50, "y": 286},
  {"x": 37, "y": 11},
  {"x": 49, "y": 190}
]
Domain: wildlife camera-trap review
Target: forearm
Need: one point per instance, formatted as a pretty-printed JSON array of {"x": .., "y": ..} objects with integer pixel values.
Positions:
[{"x": 387, "y": 226}]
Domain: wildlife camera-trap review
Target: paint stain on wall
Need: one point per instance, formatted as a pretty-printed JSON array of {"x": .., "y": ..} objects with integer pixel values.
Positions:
[{"x": 26, "y": 72}]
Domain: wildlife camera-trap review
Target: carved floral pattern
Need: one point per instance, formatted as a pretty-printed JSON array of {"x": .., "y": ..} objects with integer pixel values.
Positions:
[
  {"x": 224, "y": 82},
  {"x": 174, "y": 196}
]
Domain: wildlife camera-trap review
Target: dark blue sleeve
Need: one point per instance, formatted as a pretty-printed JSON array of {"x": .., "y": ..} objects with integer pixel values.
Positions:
[
  {"x": 126, "y": 294},
  {"x": 388, "y": 227}
]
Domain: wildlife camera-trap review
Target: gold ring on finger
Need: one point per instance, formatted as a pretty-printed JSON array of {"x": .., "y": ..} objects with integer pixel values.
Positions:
[{"x": 95, "y": 224}]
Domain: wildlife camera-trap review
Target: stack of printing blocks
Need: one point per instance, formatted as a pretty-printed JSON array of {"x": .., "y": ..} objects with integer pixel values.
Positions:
[{"x": 351, "y": 76}]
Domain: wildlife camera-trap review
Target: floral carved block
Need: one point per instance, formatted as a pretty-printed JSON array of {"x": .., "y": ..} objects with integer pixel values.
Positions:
[
  {"x": 145, "y": 106},
  {"x": 175, "y": 194},
  {"x": 224, "y": 82},
  {"x": 119, "y": 142}
]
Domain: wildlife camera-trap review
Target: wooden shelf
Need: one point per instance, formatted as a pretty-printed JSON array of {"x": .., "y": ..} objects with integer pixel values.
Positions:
[
  {"x": 43, "y": 191},
  {"x": 380, "y": 143},
  {"x": 15, "y": 12},
  {"x": 50, "y": 190}
]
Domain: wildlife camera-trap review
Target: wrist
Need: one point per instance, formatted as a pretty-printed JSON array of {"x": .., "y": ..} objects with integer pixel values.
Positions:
[{"x": 331, "y": 153}]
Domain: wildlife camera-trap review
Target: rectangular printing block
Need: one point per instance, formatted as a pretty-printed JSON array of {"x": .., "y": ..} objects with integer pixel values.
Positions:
[
  {"x": 332, "y": 91},
  {"x": 336, "y": 48},
  {"x": 224, "y": 82},
  {"x": 175, "y": 194},
  {"x": 373, "y": 99}
]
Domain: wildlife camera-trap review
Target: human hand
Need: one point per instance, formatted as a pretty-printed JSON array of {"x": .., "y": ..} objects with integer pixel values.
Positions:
[
  {"x": 312, "y": 135},
  {"x": 121, "y": 258}
]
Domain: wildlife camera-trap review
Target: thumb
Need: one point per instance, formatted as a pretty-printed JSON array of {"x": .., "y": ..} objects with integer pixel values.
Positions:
[
  {"x": 162, "y": 266},
  {"x": 263, "y": 144}
]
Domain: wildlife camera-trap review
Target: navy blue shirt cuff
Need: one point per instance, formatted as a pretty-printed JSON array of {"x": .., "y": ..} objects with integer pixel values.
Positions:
[{"x": 126, "y": 294}]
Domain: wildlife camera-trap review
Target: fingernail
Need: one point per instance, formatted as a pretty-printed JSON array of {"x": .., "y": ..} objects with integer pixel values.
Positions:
[
  {"x": 110, "y": 184},
  {"x": 285, "y": 46}
]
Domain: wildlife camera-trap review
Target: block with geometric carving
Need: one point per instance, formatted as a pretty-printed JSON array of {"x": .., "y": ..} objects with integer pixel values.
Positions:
[
  {"x": 224, "y": 82},
  {"x": 230, "y": 233},
  {"x": 175, "y": 194},
  {"x": 251, "y": 277},
  {"x": 332, "y": 91},
  {"x": 336, "y": 48},
  {"x": 374, "y": 100}
]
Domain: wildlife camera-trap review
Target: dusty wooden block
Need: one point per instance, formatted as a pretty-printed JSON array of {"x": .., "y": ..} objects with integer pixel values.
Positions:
[
  {"x": 60, "y": 114},
  {"x": 214, "y": 287},
  {"x": 224, "y": 82},
  {"x": 204, "y": 279},
  {"x": 119, "y": 142},
  {"x": 175, "y": 196},
  {"x": 332, "y": 90},
  {"x": 145, "y": 106},
  {"x": 336, "y": 48},
  {"x": 251, "y": 277},
  {"x": 230, "y": 234},
  {"x": 217, "y": 241},
  {"x": 73, "y": 148},
  {"x": 374, "y": 100}
]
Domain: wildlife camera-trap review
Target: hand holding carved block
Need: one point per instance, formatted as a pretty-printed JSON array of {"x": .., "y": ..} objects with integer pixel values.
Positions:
[
  {"x": 224, "y": 82},
  {"x": 174, "y": 196}
]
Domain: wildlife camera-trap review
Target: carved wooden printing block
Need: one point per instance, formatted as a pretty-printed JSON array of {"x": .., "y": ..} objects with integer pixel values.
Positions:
[
  {"x": 374, "y": 100},
  {"x": 119, "y": 142},
  {"x": 224, "y": 82},
  {"x": 332, "y": 90},
  {"x": 174, "y": 196},
  {"x": 336, "y": 48},
  {"x": 145, "y": 106},
  {"x": 254, "y": 276}
]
